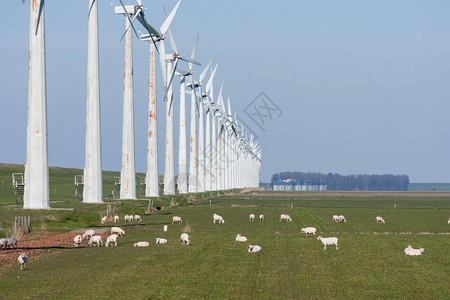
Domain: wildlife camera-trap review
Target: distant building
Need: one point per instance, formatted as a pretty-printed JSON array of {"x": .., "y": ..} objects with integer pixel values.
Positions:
[{"x": 294, "y": 185}]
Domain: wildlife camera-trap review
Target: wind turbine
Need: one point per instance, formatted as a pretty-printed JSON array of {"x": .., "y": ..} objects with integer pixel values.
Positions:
[
  {"x": 92, "y": 191},
  {"x": 153, "y": 36},
  {"x": 36, "y": 191},
  {"x": 172, "y": 59},
  {"x": 127, "y": 174}
]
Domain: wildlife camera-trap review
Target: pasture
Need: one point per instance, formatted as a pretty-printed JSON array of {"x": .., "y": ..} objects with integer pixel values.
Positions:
[{"x": 370, "y": 262}]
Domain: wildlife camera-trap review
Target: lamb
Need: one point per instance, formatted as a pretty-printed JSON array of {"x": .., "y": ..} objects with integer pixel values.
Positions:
[
  {"x": 3, "y": 243},
  {"x": 413, "y": 252},
  {"x": 88, "y": 234},
  {"x": 261, "y": 218},
  {"x": 103, "y": 220},
  {"x": 137, "y": 218},
  {"x": 342, "y": 219},
  {"x": 77, "y": 240},
  {"x": 96, "y": 240},
  {"x": 254, "y": 248},
  {"x": 285, "y": 217},
  {"x": 161, "y": 241},
  {"x": 218, "y": 219},
  {"x": 11, "y": 242},
  {"x": 240, "y": 238},
  {"x": 336, "y": 218},
  {"x": 116, "y": 219},
  {"x": 117, "y": 230},
  {"x": 176, "y": 220},
  {"x": 112, "y": 239},
  {"x": 328, "y": 242},
  {"x": 22, "y": 259},
  {"x": 380, "y": 219},
  {"x": 185, "y": 239},
  {"x": 141, "y": 244},
  {"x": 308, "y": 230},
  {"x": 251, "y": 218}
]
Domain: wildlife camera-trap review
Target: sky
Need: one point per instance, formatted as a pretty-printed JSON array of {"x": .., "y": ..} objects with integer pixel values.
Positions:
[{"x": 358, "y": 87}]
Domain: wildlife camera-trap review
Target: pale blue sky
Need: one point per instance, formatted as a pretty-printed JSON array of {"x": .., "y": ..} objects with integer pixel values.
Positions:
[{"x": 363, "y": 85}]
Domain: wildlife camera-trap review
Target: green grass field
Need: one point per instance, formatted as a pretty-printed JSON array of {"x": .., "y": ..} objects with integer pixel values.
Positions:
[{"x": 370, "y": 263}]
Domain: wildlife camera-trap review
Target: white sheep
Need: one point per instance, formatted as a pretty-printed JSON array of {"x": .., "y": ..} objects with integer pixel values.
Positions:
[
  {"x": 112, "y": 239},
  {"x": 77, "y": 240},
  {"x": 285, "y": 218},
  {"x": 141, "y": 244},
  {"x": 261, "y": 218},
  {"x": 176, "y": 220},
  {"x": 240, "y": 238},
  {"x": 96, "y": 240},
  {"x": 328, "y": 242},
  {"x": 103, "y": 221},
  {"x": 128, "y": 218},
  {"x": 161, "y": 241},
  {"x": 413, "y": 252},
  {"x": 448, "y": 221},
  {"x": 251, "y": 218},
  {"x": 254, "y": 248},
  {"x": 218, "y": 219},
  {"x": 185, "y": 239},
  {"x": 3, "y": 243},
  {"x": 380, "y": 219},
  {"x": 309, "y": 230},
  {"x": 22, "y": 259},
  {"x": 88, "y": 234},
  {"x": 116, "y": 219},
  {"x": 11, "y": 242},
  {"x": 117, "y": 230},
  {"x": 336, "y": 218},
  {"x": 342, "y": 219},
  {"x": 137, "y": 218}
]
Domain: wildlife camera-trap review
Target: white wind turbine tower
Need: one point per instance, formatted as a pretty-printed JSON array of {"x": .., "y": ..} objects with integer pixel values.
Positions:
[
  {"x": 36, "y": 193},
  {"x": 207, "y": 114},
  {"x": 197, "y": 167},
  {"x": 172, "y": 59},
  {"x": 92, "y": 192},
  {"x": 153, "y": 36},
  {"x": 127, "y": 174}
]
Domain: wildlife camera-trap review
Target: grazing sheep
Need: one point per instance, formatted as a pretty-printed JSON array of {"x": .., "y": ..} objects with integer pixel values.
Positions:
[
  {"x": 176, "y": 220},
  {"x": 161, "y": 241},
  {"x": 251, "y": 218},
  {"x": 117, "y": 230},
  {"x": 336, "y": 218},
  {"x": 285, "y": 218},
  {"x": 141, "y": 244},
  {"x": 22, "y": 259},
  {"x": 116, "y": 219},
  {"x": 308, "y": 230},
  {"x": 96, "y": 240},
  {"x": 137, "y": 218},
  {"x": 185, "y": 239},
  {"x": 413, "y": 252},
  {"x": 380, "y": 220},
  {"x": 77, "y": 240},
  {"x": 103, "y": 220},
  {"x": 112, "y": 239},
  {"x": 3, "y": 243},
  {"x": 240, "y": 238},
  {"x": 128, "y": 218},
  {"x": 448, "y": 221},
  {"x": 261, "y": 218},
  {"x": 254, "y": 248},
  {"x": 11, "y": 242},
  {"x": 342, "y": 219},
  {"x": 328, "y": 242},
  {"x": 88, "y": 234},
  {"x": 218, "y": 219}
]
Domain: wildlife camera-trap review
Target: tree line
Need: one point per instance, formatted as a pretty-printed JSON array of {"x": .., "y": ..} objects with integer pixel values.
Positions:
[{"x": 337, "y": 182}]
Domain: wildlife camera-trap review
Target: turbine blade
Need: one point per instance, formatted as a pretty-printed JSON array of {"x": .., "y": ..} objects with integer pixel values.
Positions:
[
  {"x": 172, "y": 42},
  {"x": 209, "y": 84},
  {"x": 188, "y": 59},
  {"x": 205, "y": 70},
  {"x": 129, "y": 19},
  {"x": 41, "y": 8},
  {"x": 169, "y": 18},
  {"x": 193, "y": 53},
  {"x": 173, "y": 73},
  {"x": 90, "y": 8},
  {"x": 162, "y": 61}
]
